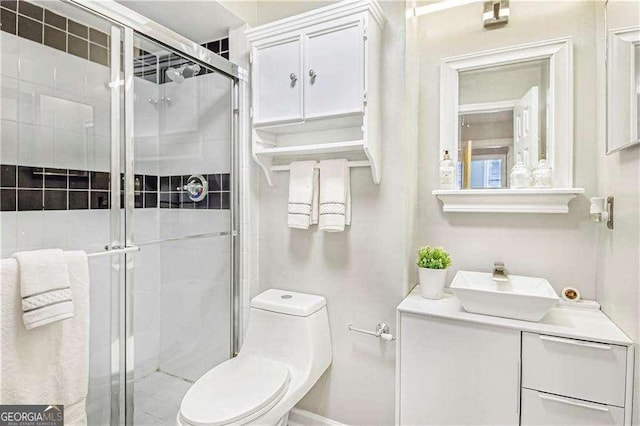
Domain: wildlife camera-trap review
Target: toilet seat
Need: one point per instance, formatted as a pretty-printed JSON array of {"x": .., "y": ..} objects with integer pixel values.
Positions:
[{"x": 235, "y": 392}]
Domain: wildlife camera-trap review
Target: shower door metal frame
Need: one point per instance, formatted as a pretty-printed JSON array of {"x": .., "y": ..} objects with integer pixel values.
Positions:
[
  {"x": 125, "y": 17},
  {"x": 123, "y": 339}
]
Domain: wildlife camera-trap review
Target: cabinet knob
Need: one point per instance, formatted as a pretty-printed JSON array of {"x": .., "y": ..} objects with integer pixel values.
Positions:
[
  {"x": 312, "y": 74},
  {"x": 293, "y": 77}
]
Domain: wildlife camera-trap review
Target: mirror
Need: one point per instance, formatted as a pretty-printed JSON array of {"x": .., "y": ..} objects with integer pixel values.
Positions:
[
  {"x": 502, "y": 114},
  {"x": 508, "y": 106},
  {"x": 623, "y": 72}
]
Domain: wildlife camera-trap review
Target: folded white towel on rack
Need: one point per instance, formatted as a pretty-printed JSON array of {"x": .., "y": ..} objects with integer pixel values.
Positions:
[
  {"x": 44, "y": 287},
  {"x": 46, "y": 365},
  {"x": 335, "y": 195},
  {"x": 303, "y": 195}
]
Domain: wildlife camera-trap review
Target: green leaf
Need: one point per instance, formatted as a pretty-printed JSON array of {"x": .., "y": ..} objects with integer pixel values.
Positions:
[{"x": 433, "y": 258}]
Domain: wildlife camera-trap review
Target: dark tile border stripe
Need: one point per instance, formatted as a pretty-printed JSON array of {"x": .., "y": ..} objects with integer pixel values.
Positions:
[
  {"x": 46, "y": 27},
  {"x": 25, "y": 188}
]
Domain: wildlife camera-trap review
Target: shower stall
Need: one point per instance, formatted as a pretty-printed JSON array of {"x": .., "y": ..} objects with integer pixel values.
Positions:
[{"x": 119, "y": 138}]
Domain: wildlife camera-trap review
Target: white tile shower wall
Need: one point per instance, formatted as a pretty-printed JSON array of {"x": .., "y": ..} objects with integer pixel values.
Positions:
[
  {"x": 363, "y": 271},
  {"x": 55, "y": 108},
  {"x": 146, "y": 127},
  {"x": 195, "y": 293},
  {"x": 182, "y": 129},
  {"x": 560, "y": 248},
  {"x": 195, "y": 125},
  {"x": 618, "y": 278},
  {"x": 146, "y": 325}
]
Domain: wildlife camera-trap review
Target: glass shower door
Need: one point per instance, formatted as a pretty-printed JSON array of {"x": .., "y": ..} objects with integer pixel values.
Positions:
[
  {"x": 60, "y": 118},
  {"x": 179, "y": 292}
]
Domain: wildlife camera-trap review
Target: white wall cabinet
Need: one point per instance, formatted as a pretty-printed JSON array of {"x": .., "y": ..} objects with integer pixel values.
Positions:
[
  {"x": 334, "y": 63},
  {"x": 315, "y": 87},
  {"x": 278, "y": 81},
  {"x": 574, "y": 367}
]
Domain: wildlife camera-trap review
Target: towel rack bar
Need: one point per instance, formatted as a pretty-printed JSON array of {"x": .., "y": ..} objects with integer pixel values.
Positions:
[
  {"x": 186, "y": 237},
  {"x": 359, "y": 163},
  {"x": 113, "y": 251}
]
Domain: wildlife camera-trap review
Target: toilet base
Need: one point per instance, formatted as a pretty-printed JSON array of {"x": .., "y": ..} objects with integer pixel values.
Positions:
[{"x": 282, "y": 422}]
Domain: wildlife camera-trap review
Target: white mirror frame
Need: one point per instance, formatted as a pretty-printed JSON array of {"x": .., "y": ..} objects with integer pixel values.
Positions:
[
  {"x": 622, "y": 105},
  {"x": 560, "y": 111}
]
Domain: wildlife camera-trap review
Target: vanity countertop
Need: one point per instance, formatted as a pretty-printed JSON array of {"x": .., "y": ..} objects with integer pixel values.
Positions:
[{"x": 562, "y": 320}]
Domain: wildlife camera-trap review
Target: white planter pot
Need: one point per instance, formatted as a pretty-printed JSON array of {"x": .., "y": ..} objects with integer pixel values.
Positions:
[{"x": 432, "y": 282}]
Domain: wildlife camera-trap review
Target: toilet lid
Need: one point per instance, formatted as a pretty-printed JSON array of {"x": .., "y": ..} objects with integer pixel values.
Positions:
[{"x": 236, "y": 389}]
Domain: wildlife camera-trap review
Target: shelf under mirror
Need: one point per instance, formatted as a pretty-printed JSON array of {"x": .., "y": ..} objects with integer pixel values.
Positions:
[{"x": 530, "y": 200}]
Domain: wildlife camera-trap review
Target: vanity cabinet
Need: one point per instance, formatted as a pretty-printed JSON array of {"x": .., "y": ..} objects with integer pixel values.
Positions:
[
  {"x": 574, "y": 367},
  {"x": 446, "y": 377}
]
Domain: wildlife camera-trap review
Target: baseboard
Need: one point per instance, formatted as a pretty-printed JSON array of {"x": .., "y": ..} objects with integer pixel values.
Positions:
[{"x": 299, "y": 417}]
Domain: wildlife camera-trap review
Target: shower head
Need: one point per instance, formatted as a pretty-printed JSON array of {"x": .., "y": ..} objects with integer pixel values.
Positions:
[
  {"x": 190, "y": 70},
  {"x": 178, "y": 75},
  {"x": 174, "y": 75}
]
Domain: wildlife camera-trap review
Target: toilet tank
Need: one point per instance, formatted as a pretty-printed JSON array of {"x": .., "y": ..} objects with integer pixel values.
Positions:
[{"x": 290, "y": 327}]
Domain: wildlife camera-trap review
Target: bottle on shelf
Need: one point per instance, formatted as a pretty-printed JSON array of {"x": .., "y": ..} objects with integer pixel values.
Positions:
[
  {"x": 542, "y": 175},
  {"x": 520, "y": 176},
  {"x": 447, "y": 172}
]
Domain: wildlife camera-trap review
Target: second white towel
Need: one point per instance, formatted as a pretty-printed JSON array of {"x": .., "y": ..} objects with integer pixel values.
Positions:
[
  {"x": 303, "y": 195},
  {"x": 46, "y": 365},
  {"x": 335, "y": 195}
]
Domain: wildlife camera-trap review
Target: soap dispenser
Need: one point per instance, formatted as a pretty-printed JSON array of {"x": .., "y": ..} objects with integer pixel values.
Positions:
[{"x": 447, "y": 172}]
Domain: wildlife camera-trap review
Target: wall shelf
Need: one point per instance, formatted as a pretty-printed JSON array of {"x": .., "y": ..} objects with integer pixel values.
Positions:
[
  {"x": 314, "y": 149},
  {"x": 532, "y": 200}
]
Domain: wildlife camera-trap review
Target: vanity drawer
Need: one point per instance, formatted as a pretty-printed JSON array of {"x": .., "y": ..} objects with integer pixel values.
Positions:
[
  {"x": 584, "y": 370},
  {"x": 539, "y": 408}
]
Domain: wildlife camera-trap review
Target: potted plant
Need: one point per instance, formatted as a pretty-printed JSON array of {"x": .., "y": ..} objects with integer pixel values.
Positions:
[{"x": 432, "y": 271}]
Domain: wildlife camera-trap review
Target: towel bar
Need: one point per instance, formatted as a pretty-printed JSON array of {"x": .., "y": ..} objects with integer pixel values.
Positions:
[
  {"x": 117, "y": 250},
  {"x": 359, "y": 163}
]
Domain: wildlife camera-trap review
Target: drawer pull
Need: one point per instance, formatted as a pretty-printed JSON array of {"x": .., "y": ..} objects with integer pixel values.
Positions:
[
  {"x": 577, "y": 404},
  {"x": 575, "y": 342}
]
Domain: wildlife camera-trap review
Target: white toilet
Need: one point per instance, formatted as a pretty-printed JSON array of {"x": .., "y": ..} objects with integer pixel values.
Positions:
[{"x": 286, "y": 349}]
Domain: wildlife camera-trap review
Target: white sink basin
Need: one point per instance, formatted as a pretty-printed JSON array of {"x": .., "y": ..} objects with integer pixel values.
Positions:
[{"x": 523, "y": 298}]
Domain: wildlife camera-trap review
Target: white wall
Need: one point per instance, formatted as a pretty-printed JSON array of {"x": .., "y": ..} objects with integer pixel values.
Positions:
[
  {"x": 363, "y": 271},
  {"x": 558, "y": 247},
  {"x": 618, "y": 277}
]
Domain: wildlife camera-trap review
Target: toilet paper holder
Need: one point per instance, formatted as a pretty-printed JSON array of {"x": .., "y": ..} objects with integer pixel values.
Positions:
[{"x": 382, "y": 331}]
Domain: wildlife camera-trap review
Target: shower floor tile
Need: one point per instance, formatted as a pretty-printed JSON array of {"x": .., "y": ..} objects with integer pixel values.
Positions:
[{"x": 157, "y": 399}]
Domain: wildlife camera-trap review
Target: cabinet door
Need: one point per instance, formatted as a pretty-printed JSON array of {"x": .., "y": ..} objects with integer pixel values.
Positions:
[
  {"x": 334, "y": 70},
  {"x": 277, "y": 80},
  {"x": 458, "y": 373},
  {"x": 543, "y": 409}
]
